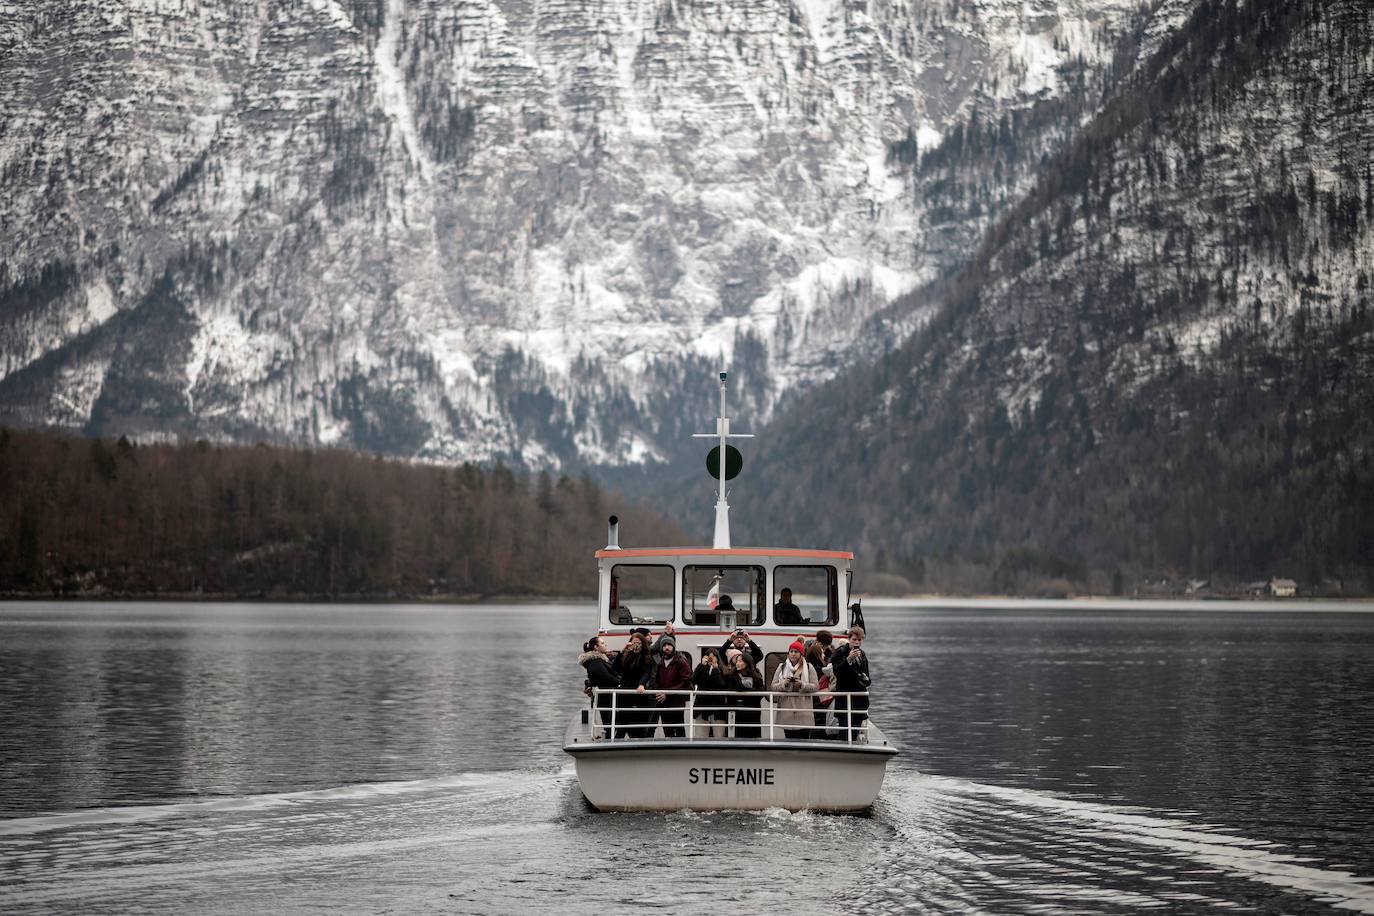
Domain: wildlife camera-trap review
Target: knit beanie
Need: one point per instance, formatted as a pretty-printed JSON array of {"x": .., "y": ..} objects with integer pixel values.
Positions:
[{"x": 798, "y": 645}]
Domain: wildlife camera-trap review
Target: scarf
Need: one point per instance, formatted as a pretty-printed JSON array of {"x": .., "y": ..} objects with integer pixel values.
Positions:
[{"x": 791, "y": 670}]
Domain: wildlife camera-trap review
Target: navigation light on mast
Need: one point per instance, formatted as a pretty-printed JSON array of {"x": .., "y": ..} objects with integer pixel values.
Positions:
[{"x": 726, "y": 465}]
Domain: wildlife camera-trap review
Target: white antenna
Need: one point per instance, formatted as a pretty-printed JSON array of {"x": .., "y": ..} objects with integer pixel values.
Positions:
[{"x": 722, "y": 538}]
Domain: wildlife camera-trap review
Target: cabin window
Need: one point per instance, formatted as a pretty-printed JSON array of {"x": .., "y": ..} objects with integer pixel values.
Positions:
[
  {"x": 704, "y": 586},
  {"x": 814, "y": 593},
  {"x": 641, "y": 594}
]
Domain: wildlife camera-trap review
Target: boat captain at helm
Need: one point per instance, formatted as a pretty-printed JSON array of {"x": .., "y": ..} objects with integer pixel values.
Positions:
[{"x": 785, "y": 613}]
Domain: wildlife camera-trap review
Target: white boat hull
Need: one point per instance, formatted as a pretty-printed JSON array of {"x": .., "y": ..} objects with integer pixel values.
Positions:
[{"x": 735, "y": 775}]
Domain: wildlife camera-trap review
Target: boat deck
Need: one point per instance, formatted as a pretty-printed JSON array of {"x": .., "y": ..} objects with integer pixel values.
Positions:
[
  {"x": 584, "y": 736},
  {"x": 576, "y": 741}
]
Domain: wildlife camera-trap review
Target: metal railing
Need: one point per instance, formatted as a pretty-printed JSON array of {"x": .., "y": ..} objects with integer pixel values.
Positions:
[{"x": 624, "y": 719}]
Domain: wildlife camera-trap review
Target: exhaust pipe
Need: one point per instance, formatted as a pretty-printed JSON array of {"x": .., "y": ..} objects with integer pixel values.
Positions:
[{"x": 613, "y": 534}]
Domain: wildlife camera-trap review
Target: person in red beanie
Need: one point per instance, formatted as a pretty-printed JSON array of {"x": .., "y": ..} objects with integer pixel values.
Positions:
[{"x": 797, "y": 680}]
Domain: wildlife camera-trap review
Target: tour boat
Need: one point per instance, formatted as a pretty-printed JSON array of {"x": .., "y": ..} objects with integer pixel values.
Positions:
[{"x": 747, "y": 760}]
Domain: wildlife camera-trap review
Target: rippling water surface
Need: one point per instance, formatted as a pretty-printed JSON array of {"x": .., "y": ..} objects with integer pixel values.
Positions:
[{"x": 255, "y": 758}]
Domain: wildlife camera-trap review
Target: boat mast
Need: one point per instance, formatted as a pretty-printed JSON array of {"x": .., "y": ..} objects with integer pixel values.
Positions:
[{"x": 722, "y": 536}]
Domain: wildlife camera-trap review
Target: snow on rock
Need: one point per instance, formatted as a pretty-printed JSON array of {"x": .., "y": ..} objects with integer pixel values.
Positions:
[{"x": 483, "y": 228}]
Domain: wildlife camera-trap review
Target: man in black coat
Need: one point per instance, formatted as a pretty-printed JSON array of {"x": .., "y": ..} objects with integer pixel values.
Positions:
[
  {"x": 669, "y": 671},
  {"x": 851, "y": 676},
  {"x": 740, "y": 640}
]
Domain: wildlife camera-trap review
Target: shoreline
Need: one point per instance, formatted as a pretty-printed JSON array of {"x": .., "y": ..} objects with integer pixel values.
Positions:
[
  {"x": 1360, "y": 604},
  {"x": 1349, "y": 605},
  {"x": 229, "y": 598}
]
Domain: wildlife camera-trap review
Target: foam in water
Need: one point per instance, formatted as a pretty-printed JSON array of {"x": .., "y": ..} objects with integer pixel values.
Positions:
[
  {"x": 505, "y": 840},
  {"x": 1093, "y": 824},
  {"x": 137, "y": 814}
]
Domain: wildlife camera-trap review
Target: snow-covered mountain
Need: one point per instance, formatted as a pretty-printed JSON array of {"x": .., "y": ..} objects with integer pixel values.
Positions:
[
  {"x": 499, "y": 228},
  {"x": 1159, "y": 364}
]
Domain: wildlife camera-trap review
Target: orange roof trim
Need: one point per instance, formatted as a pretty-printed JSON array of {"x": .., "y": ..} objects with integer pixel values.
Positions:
[{"x": 727, "y": 552}]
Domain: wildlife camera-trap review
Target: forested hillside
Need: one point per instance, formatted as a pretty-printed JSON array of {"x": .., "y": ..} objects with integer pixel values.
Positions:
[
  {"x": 95, "y": 516},
  {"x": 1160, "y": 364}
]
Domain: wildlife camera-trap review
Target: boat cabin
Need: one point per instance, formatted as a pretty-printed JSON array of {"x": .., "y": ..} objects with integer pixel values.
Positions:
[{"x": 649, "y": 587}]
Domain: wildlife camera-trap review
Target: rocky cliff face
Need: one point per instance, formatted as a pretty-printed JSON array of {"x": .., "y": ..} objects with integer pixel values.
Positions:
[
  {"x": 498, "y": 228},
  {"x": 1160, "y": 361}
]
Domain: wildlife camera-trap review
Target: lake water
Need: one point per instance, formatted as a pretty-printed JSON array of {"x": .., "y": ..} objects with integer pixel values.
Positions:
[{"x": 280, "y": 758}]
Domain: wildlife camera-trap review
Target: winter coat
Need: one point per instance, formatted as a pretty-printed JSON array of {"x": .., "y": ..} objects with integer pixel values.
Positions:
[
  {"x": 794, "y": 710},
  {"x": 669, "y": 674},
  {"x": 748, "y": 698},
  {"x": 754, "y": 650},
  {"x": 631, "y": 667},
  {"x": 706, "y": 678},
  {"x": 746, "y": 703},
  {"x": 851, "y": 674},
  {"x": 599, "y": 671}
]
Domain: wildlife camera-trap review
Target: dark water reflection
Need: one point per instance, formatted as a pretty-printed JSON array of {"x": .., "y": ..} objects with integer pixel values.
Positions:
[
  {"x": 127, "y": 703},
  {"x": 369, "y": 757},
  {"x": 1256, "y": 720}
]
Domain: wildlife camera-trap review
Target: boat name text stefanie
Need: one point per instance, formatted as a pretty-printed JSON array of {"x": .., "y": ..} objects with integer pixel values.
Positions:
[{"x": 731, "y": 776}]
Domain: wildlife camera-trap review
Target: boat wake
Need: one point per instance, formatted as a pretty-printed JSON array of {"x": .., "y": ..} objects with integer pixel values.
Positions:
[
  {"x": 184, "y": 854},
  {"x": 474, "y": 784},
  {"x": 970, "y": 845},
  {"x": 478, "y": 842}
]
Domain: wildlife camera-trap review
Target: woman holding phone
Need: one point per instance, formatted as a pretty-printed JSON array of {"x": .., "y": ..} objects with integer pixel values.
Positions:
[
  {"x": 797, "y": 680},
  {"x": 709, "y": 676},
  {"x": 746, "y": 681},
  {"x": 630, "y": 664}
]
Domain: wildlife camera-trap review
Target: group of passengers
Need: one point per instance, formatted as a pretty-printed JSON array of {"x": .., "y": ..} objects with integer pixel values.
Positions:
[{"x": 808, "y": 679}]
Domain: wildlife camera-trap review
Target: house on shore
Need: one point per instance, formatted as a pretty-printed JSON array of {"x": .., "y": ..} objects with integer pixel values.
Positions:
[{"x": 1283, "y": 588}]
